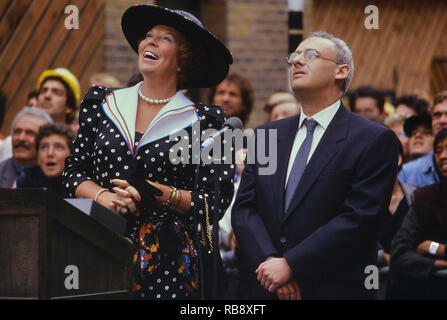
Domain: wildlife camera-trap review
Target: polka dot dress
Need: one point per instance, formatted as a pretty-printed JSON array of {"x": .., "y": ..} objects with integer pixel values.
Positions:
[{"x": 166, "y": 262}]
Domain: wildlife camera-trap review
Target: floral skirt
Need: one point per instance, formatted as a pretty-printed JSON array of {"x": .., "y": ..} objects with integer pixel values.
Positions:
[{"x": 166, "y": 262}]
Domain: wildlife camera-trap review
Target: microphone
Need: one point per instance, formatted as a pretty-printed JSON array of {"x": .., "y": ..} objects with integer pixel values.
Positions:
[{"x": 231, "y": 123}]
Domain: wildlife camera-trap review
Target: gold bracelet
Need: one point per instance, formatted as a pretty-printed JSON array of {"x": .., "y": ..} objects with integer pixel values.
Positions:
[
  {"x": 99, "y": 193},
  {"x": 180, "y": 198},
  {"x": 168, "y": 202},
  {"x": 208, "y": 230}
]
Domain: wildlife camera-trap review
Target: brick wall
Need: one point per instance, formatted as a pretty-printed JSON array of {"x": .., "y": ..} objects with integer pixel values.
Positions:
[
  {"x": 120, "y": 59},
  {"x": 256, "y": 33}
]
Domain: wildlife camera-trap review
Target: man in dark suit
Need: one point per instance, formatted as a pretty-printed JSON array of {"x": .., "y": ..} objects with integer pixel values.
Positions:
[{"x": 311, "y": 229}]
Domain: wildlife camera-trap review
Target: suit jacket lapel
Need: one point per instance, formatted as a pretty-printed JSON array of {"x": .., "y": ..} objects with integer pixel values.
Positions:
[
  {"x": 325, "y": 151},
  {"x": 121, "y": 108}
]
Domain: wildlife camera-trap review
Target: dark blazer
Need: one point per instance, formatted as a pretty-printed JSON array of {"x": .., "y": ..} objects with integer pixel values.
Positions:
[
  {"x": 34, "y": 177},
  {"x": 329, "y": 234},
  {"x": 7, "y": 173}
]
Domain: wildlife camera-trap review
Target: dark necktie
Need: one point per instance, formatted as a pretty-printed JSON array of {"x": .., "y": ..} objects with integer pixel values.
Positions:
[{"x": 300, "y": 162}]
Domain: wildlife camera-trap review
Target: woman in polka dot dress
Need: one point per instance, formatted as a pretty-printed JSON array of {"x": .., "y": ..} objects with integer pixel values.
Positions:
[{"x": 133, "y": 131}]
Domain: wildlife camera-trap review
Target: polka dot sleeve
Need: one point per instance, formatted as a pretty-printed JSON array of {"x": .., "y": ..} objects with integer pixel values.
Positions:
[
  {"x": 213, "y": 117},
  {"x": 79, "y": 165}
]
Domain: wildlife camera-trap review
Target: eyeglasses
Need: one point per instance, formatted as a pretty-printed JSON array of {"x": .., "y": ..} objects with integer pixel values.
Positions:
[{"x": 308, "y": 54}]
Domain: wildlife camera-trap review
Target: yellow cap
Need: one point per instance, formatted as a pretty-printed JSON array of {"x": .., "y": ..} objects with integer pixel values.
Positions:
[{"x": 67, "y": 76}]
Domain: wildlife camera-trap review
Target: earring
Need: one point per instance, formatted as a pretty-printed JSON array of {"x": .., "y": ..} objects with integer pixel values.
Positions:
[{"x": 178, "y": 69}]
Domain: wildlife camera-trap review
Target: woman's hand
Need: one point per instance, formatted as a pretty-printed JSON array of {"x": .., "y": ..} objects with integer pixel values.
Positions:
[
  {"x": 106, "y": 199},
  {"x": 126, "y": 197}
]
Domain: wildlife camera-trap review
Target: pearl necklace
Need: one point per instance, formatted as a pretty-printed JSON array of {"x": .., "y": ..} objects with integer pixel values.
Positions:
[{"x": 157, "y": 101}]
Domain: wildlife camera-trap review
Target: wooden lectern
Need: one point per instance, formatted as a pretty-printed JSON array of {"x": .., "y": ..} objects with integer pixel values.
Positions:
[{"x": 51, "y": 250}]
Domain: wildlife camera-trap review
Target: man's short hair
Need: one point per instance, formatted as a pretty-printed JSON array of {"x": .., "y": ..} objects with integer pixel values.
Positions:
[
  {"x": 418, "y": 104},
  {"x": 440, "y": 97},
  {"x": 367, "y": 92},
  {"x": 31, "y": 111},
  {"x": 49, "y": 129},
  {"x": 343, "y": 55}
]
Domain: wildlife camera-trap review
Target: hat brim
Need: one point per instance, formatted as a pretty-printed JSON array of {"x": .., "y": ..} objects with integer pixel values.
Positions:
[
  {"x": 413, "y": 122},
  {"x": 139, "y": 19}
]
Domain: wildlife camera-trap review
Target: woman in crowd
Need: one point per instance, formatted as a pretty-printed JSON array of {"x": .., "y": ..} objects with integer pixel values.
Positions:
[{"x": 122, "y": 153}]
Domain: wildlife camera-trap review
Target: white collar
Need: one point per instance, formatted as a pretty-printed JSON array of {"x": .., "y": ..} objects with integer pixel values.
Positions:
[
  {"x": 121, "y": 108},
  {"x": 324, "y": 117}
]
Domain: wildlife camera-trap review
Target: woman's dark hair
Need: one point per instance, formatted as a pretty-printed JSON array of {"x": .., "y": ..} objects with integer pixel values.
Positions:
[
  {"x": 49, "y": 129},
  {"x": 247, "y": 92},
  {"x": 190, "y": 59},
  {"x": 71, "y": 99}
]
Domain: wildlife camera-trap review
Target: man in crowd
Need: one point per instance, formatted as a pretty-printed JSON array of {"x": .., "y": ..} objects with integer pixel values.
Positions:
[
  {"x": 368, "y": 102},
  {"x": 25, "y": 126},
  {"x": 419, "y": 131},
  {"x": 422, "y": 171},
  {"x": 310, "y": 229},
  {"x": 285, "y": 109},
  {"x": 277, "y": 98},
  {"x": 58, "y": 94},
  {"x": 235, "y": 95}
]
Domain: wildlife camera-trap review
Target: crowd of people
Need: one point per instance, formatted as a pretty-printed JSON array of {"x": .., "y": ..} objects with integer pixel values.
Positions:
[{"x": 370, "y": 188}]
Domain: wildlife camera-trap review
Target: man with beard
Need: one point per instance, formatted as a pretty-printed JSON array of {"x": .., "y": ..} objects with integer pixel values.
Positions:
[{"x": 25, "y": 126}]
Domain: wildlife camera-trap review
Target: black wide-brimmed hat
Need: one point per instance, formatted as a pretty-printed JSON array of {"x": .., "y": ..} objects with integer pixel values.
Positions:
[
  {"x": 139, "y": 19},
  {"x": 414, "y": 121}
]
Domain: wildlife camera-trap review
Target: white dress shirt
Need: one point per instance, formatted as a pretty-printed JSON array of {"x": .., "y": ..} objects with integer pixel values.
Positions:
[{"x": 323, "y": 118}]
